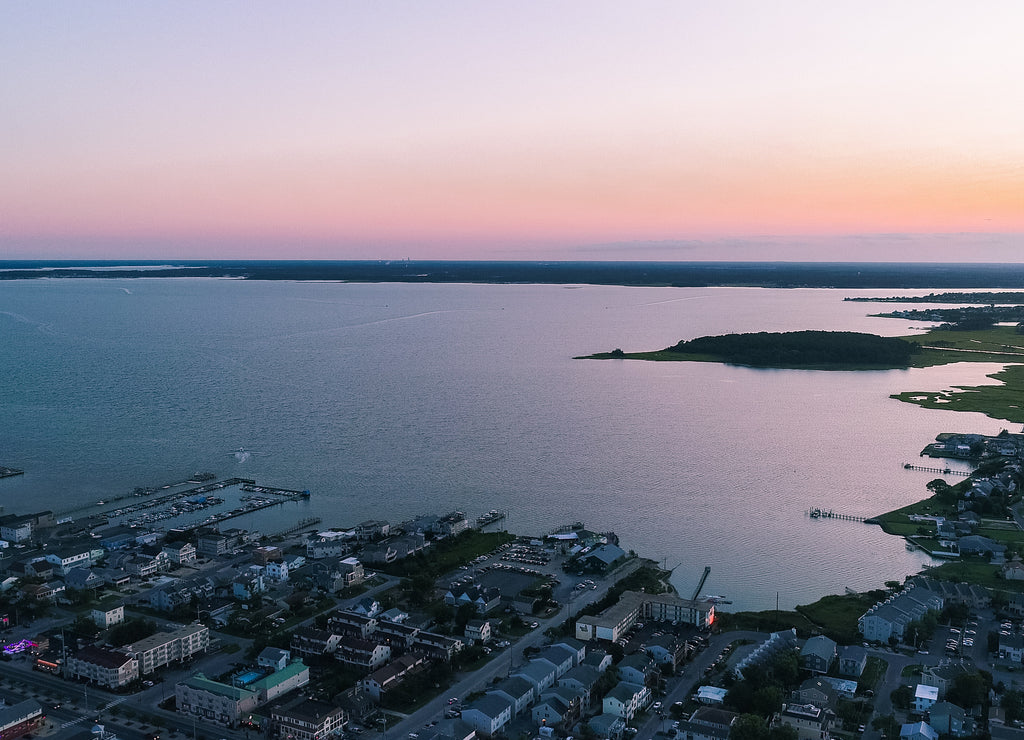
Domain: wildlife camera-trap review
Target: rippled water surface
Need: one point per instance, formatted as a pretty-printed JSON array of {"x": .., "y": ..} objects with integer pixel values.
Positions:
[{"x": 391, "y": 400}]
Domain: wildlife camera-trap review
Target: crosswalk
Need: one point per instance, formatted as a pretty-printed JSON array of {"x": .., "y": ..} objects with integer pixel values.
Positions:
[{"x": 105, "y": 707}]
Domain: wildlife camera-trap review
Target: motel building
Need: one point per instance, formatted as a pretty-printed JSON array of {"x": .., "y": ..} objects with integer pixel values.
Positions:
[{"x": 20, "y": 719}]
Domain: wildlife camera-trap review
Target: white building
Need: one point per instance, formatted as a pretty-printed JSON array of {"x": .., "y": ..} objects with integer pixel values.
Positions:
[{"x": 108, "y": 617}]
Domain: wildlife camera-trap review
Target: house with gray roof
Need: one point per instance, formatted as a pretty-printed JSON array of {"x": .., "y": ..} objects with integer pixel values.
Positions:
[
  {"x": 602, "y": 660},
  {"x": 977, "y": 545},
  {"x": 816, "y": 691},
  {"x": 518, "y": 691},
  {"x": 626, "y": 699},
  {"x": 607, "y": 726},
  {"x": 488, "y": 714},
  {"x": 776, "y": 643},
  {"x": 949, "y": 719},
  {"x": 943, "y": 675},
  {"x": 561, "y": 658},
  {"x": 605, "y": 557},
  {"x": 577, "y": 646},
  {"x": 540, "y": 673},
  {"x": 918, "y": 731},
  {"x": 707, "y": 723},
  {"x": 853, "y": 659},
  {"x": 889, "y": 619},
  {"x": 636, "y": 668},
  {"x": 582, "y": 678},
  {"x": 818, "y": 653},
  {"x": 559, "y": 705},
  {"x": 80, "y": 579},
  {"x": 810, "y": 722}
]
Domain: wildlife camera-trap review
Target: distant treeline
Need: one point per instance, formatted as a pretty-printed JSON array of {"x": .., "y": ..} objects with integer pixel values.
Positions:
[
  {"x": 979, "y": 298},
  {"x": 677, "y": 274},
  {"x": 802, "y": 349},
  {"x": 966, "y": 318}
]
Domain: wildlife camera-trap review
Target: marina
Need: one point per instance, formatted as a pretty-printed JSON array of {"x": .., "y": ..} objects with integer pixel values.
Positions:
[
  {"x": 152, "y": 511},
  {"x": 258, "y": 498}
]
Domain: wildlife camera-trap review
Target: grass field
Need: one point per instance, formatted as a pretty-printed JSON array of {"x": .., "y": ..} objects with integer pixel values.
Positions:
[{"x": 834, "y": 616}]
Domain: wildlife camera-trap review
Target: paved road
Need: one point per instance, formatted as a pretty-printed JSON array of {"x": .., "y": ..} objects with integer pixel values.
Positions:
[
  {"x": 680, "y": 687},
  {"x": 502, "y": 663}
]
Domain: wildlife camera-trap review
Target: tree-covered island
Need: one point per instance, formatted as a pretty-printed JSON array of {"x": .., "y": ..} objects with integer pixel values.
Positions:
[{"x": 822, "y": 350}]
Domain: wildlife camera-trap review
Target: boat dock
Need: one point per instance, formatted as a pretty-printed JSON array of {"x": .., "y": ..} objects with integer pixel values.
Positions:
[
  {"x": 298, "y": 526},
  {"x": 146, "y": 491},
  {"x": 817, "y": 513},
  {"x": 494, "y": 515},
  {"x": 940, "y": 471},
  {"x": 259, "y": 498}
]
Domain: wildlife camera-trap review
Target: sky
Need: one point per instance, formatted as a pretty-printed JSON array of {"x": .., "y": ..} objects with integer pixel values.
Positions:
[{"x": 490, "y": 129}]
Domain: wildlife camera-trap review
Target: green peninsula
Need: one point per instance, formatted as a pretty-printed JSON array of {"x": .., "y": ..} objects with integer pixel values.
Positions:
[
  {"x": 826, "y": 350},
  {"x": 816, "y": 350}
]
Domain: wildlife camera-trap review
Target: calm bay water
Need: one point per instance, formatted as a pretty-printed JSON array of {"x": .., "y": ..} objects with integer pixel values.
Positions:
[{"x": 391, "y": 400}]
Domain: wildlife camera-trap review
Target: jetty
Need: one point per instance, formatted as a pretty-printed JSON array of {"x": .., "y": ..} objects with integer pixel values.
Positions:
[
  {"x": 298, "y": 526},
  {"x": 145, "y": 491},
  {"x": 940, "y": 471},
  {"x": 817, "y": 513},
  {"x": 492, "y": 516}
]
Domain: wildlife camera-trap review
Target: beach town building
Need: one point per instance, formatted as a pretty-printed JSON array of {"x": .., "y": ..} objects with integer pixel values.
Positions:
[
  {"x": 306, "y": 719},
  {"x": 165, "y": 648},
  {"x": 809, "y": 721},
  {"x": 17, "y": 720},
  {"x": 615, "y": 621},
  {"x": 889, "y": 619},
  {"x": 108, "y": 668}
]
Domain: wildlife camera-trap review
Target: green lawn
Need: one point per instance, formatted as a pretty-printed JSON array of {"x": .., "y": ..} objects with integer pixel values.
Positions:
[{"x": 834, "y": 616}]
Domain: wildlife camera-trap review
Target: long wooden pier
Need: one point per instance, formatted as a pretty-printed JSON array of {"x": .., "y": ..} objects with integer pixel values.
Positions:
[
  {"x": 817, "y": 513},
  {"x": 940, "y": 471}
]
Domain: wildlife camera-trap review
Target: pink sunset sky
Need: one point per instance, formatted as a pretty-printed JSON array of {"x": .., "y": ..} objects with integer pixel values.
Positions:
[{"x": 512, "y": 130}]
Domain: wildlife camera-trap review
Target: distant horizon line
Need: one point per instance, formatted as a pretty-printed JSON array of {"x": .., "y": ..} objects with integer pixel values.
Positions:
[
  {"x": 646, "y": 273},
  {"x": 128, "y": 263}
]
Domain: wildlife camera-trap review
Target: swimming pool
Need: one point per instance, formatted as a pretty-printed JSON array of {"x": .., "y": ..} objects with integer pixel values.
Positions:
[{"x": 248, "y": 677}]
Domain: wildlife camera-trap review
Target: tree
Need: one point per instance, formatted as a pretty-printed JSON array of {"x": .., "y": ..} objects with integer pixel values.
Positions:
[
  {"x": 463, "y": 614},
  {"x": 902, "y": 697},
  {"x": 786, "y": 668},
  {"x": 768, "y": 699},
  {"x": 749, "y": 727},
  {"x": 131, "y": 630},
  {"x": 783, "y": 732},
  {"x": 1013, "y": 704},
  {"x": 740, "y": 697},
  {"x": 887, "y": 725},
  {"x": 968, "y": 690}
]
